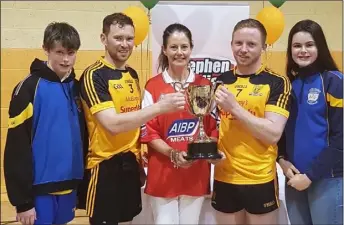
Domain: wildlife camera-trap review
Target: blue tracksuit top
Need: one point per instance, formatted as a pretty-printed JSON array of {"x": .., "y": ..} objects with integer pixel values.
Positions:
[
  {"x": 44, "y": 146},
  {"x": 314, "y": 131}
]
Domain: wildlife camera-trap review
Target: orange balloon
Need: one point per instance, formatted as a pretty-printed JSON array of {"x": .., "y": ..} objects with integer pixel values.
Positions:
[
  {"x": 141, "y": 23},
  {"x": 273, "y": 20}
]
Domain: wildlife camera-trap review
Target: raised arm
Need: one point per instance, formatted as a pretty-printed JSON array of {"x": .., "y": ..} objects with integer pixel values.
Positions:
[
  {"x": 268, "y": 129},
  {"x": 102, "y": 106}
]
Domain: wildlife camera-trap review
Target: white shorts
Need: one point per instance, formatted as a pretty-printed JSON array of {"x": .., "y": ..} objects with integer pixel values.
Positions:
[{"x": 179, "y": 210}]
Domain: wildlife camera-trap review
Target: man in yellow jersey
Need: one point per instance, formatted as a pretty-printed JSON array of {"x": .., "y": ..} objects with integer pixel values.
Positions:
[
  {"x": 111, "y": 99},
  {"x": 254, "y": 107}
]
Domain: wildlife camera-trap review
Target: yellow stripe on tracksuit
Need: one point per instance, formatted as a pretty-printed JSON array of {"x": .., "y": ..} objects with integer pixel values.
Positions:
[
  {"x": 62, "y": 192},
  {"x": 22, "y": 117},
  {"x": 26, "y": 114},
  {"x": 334, "y": 102},
  {"x": 92, "y": 190}
]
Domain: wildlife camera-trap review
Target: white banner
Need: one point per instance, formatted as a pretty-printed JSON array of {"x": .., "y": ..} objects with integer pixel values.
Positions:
[{"x": 211, "y": 25}]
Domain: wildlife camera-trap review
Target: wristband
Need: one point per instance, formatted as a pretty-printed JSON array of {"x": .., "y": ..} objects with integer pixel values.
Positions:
[{"x": 280, "y": 157}]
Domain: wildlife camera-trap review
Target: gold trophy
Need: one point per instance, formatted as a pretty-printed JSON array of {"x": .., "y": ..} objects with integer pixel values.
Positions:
[{"x": 200, "y": 102}]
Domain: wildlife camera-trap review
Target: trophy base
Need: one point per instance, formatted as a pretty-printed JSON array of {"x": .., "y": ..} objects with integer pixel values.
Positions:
[{"x": 206, "y": 150}]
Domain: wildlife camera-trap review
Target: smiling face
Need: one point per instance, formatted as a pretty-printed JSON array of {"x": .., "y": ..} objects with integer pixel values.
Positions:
[
  {"x": 178, "y": 49},
  {"x": 60, "y": 59},
  {"x": 119, "y": 42},
  {"x": 247, "y": 46},
  {"x": 303, "y": 49}
]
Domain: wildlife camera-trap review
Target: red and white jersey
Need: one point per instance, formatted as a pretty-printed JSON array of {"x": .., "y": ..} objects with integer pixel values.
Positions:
[{"x": 176, "y": 129}]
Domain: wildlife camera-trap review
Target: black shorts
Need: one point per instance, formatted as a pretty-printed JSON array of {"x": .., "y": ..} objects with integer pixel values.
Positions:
[
  {"x": 255, "y": 199},
  {"x": 114, "y": 190}
]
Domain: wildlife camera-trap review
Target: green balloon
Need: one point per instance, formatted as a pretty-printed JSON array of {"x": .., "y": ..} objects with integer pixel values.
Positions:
[
  {"x": 277, "y": 3},
  {"x": 149, "y": 4}
]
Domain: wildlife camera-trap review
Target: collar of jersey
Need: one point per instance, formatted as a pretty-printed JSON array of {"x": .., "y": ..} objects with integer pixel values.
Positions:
[
  {"x": 168, "y": 79},
  {"x": 106, "y": 63},
  {"x": 261, "y": 69}
]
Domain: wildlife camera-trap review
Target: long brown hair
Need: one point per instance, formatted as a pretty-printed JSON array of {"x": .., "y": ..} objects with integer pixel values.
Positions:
[
  {"x": 175, "y": 27},
  {"x": 324, "y": 60}
]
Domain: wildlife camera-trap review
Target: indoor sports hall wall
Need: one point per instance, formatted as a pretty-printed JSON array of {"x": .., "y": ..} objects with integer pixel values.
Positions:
[{"x": 23, "y": 23}]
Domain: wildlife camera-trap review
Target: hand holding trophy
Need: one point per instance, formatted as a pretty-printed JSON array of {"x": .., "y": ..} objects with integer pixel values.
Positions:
[{"x": 200, "y": 102}]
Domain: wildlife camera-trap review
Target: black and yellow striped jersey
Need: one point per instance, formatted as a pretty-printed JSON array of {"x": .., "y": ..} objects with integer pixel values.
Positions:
[
  {"x": 250, "y": 161},
  {"x": 103, "y": 87}
]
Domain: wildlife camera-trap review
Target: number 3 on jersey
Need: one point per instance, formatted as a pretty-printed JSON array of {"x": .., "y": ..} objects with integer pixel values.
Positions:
[{"x": 131, "y": 88}]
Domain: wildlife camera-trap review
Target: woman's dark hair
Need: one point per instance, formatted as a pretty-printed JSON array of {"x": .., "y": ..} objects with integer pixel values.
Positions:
[
  {"x": 324, "y": 60},
  {"x": 175, "y": 27}
]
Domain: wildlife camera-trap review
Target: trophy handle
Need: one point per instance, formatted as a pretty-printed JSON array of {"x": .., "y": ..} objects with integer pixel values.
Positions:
[
  {"x": 188, "y": 99},
  {"x": 214, "y": 86},
  {"x": 183, "y": 88}
]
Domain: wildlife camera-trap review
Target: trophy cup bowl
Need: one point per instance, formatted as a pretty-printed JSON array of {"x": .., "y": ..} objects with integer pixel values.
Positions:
[{"x": 200, "y": 102}]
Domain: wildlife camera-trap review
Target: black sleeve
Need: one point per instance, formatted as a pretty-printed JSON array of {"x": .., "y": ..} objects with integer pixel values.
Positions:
[
  {"x": 95, "y": 91},
  {"x": 280, "y": 96},
  {"x": 281, "y": 144},
  {"x": 18, "y": 165}
]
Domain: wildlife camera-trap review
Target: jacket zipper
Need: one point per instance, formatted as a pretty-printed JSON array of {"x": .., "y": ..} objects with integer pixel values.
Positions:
[{"x": 301, "y": 92}]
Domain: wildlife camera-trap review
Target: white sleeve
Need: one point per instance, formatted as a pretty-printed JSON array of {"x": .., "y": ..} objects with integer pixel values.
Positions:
[{"x": 147, "y": 99}]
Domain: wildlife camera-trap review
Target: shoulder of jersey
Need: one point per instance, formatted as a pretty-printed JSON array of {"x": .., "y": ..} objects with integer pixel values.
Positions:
[
  {"x": 91, "y": 68},
  {"x": 228, "y": 73},
  {"x": 132, "y": 71},
  {"x": 271, "y": 72},
  {"x": 274, "y": 75}
]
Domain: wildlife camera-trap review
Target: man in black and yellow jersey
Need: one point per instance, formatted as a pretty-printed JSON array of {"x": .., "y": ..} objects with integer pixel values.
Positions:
[
  {"x": 111, "y": 99},
  {"x": 254, "y": 107}
]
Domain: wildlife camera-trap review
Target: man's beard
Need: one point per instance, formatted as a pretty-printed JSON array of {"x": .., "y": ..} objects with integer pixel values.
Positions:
[
  {"x": 115, "y": 57},
  {"x": 250, "y": 62}
]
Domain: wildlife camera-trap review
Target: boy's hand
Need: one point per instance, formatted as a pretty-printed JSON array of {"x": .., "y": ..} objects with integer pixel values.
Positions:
[{"x": 27, "y": 217}]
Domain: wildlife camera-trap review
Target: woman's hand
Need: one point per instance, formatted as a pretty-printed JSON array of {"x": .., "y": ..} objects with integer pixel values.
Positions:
[{"x": 289, "y": 170}]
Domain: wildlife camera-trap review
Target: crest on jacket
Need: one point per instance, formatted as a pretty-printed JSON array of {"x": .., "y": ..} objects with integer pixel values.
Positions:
[{"x": 313, "y": 95}]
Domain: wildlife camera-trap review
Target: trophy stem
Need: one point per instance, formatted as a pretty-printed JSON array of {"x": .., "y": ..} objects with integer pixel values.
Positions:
[{"x": 202, "y": 136}]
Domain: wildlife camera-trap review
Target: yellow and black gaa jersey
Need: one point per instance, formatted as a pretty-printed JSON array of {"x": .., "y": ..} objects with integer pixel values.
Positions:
[
  {"x": 250, "y": 161},
  {"x": 103, "y": 87}
]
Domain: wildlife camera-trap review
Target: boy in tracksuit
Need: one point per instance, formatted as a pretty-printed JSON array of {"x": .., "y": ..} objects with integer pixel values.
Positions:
[{"x": 43, "y": 159}]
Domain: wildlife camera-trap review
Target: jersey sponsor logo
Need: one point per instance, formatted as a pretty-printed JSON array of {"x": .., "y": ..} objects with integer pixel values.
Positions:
[
  {"x": 256, "y": 90},
  {"x": 117, "y": 86},
  {"x": 209, "y": 67},
  {"x": 129, "y": 81},
  {"x": 228, "y": 115},
  {"x": 125, "y": 109},
  {"x": 132, "y": 98},
  {"x": 240, "y": 86},
  {"x": 313, "y": 96},
  {"x": 182, "y": 130}
]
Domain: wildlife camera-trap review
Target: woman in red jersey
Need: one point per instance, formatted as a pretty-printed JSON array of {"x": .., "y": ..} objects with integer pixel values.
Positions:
[{"x": 176, "y": 187}]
